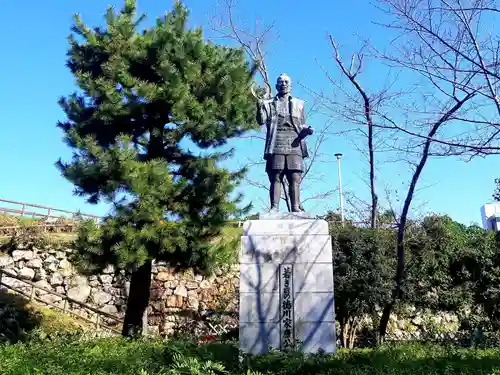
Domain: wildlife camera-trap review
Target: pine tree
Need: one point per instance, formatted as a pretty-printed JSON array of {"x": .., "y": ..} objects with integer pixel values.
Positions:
[{"x": 142, "y": 95}]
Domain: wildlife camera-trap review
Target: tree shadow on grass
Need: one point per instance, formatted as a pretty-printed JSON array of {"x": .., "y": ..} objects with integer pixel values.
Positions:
[
  {"x": 22, "y": 320},
  {"x": 17, "y": 318}
]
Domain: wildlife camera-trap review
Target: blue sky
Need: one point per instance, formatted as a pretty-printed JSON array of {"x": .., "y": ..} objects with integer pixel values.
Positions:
[{"x": 33, "y": 76}]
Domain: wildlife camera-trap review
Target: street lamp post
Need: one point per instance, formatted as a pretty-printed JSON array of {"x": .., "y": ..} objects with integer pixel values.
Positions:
[{"x": 341, "y": 194}]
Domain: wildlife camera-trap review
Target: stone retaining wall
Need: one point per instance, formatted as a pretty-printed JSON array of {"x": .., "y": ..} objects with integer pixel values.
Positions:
[
  {"x": 179, "y": 299},
  {"x": 176, "y": 298}
]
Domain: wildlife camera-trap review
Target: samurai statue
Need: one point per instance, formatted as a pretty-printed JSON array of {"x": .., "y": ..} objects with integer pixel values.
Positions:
[{"x": 285, "y": 148}]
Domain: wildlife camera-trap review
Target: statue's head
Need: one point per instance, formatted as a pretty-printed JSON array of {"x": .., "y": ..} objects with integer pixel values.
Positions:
[{"x": 284, "y": 84}]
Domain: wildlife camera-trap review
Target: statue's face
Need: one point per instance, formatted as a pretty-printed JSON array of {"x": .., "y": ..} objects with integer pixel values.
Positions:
[{"x": 283, "y": 85}]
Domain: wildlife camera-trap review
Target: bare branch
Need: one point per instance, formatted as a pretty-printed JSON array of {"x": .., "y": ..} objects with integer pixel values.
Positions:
[
  {"x": 351, "y": 74},
  {"x": 227, "y": 27}
]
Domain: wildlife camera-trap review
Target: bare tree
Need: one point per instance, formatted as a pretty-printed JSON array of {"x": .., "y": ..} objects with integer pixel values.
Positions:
[
  {"x": 445, "y": 43},
  {"x": 452, "y": 106},
  {"x": 351, "y": 73}
]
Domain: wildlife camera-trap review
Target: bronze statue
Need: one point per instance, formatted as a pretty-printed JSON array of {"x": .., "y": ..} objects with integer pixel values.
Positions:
[{"x": 285, "y": 147}]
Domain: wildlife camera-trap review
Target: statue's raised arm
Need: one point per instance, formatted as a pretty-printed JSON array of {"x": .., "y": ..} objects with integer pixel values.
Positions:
[{"x": 262, "y": 115}]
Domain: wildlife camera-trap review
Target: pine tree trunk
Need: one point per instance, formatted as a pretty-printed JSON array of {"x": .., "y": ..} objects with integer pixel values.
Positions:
[{"x": 138, "y": 301}]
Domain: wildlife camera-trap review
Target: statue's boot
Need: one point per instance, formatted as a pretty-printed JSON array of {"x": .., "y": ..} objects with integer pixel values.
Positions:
[
  {"x": 275, "y": 196},
  {"x": 294, "y": 190}
]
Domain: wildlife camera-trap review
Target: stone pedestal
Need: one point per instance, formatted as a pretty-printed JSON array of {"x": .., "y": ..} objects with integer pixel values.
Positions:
[{"x": 286, "y": 285}]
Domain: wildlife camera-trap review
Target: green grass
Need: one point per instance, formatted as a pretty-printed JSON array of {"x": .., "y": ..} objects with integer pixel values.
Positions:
[
  {"x": 48, "y": 238},
  {"x": 7, "y": 220},
  {"x": 118, "y": 356},
  {"x": 29, "y": 228}
]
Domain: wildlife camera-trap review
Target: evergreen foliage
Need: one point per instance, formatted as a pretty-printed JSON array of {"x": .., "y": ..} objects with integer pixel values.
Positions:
[
  {"x": 142, "y": 96},
  {"x": 450, "y": 267},
  {"x": 363, "y": 267}
]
